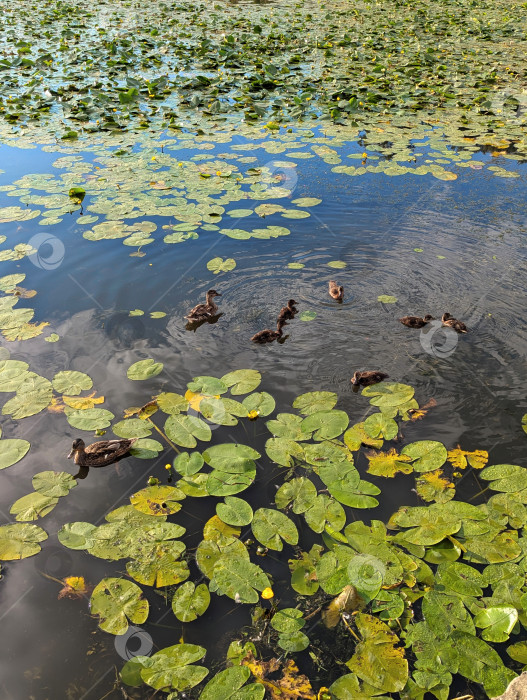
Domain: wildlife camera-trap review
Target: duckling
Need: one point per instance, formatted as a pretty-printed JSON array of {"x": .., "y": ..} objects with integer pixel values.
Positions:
[
  {"x": 335, "y": 291},
  {"x": 267, "y": 336},
  {"x": 202, "y": 312},
  {"x": 416, "y": 321},
  {"x": 289, "y": 311},
  {"x": 368, "y": 378},
  {"x": 451, "y": 322},
  {"x": 98, "y": 454}
]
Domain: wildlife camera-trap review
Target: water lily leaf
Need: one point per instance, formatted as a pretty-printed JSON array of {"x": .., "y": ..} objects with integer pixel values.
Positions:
[
  {"x": 442, "y": 552},
  {"x": 307, "y": 316},
  {"x": 19, "y": 541},
  {"x": 242, "y": 381},
  {"x": 434, "y": 486},
  {"x": 386, "y": 299},
  {"x": 497, "y": 622},
  {"x": 157, "y": 500},
  {"x": 325, "y": 513},
  {"x": 239, "y": 578},
  {"x": 217, "y": 265},
  {"x": 300, "y": 492},
  {"x": 11, "y": 451},
  {"x": 77, "y": 535},
  {"x": 190, "y": 601},
  {"x": 426, "y": 455},
  {"x": 231, "y": 457},
  {"x": 71, "y": 383},
  {"x": 185, "y": 430},
  {"x": 90, "y": 419},
  {"x": 270, "y": 527},
  {"x": 345, "y": 485},
  {"x": 388, "y": 394},
  {"x": 509, "y": 478},
  {"x": 12, "y": 374},
  {"x": 261, "y": 402},
  {"x": 337, "y": 264},
  {"x": 132, "y": 427},
  {"x": 377, "y": 659},
  {"x": 315, "y": 401},
  {"x": 220, "y": 483},
  {"x": 171, "y": 403},
  {"x": 207, "y": 385},
  {"x": 284, "y": 451},
  {"x": 287, "y": 425},
  {"x": 446, "y": 613},
  {"x": 54, "y": 484},
  {"x": 221, "y": 411},
  {"x": 459, "y": 458},
  {"x": 325, "y": 425},
  {"x": 33, "y": 506},
  {"x": 10, "y": 281},
  {"x": 157, "y": 564},
  {"x": 131, "y": 672},
  {"x": 306, "y": 201},
  {"x": 235, "y": 511},
  {"x": 380, "y": 425},
  {"x": 428, "y": 526},
  {"x": 146, "y": 448},
  {"x": 33, "y": 395},
  {"x": 356, "y": 436},
  {"x": 518, "y": 652},
  {"x": 328, "y": 451},
  {"x": 194, "y": 485},
  {"x": 144, "y": 369},
  {"x": 388, "y": 464},
  {"x": 460, "y": 578},
  {"x": 187, "y": 464},
  {"x": 116, "y": 601},
  {"x": 227, "y": 685},
  {"x": 173, "y": 667},
  {"x": 479, "y": 662}
]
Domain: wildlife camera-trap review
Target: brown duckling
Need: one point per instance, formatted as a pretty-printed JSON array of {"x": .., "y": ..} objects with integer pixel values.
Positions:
[
  {"x": 289, "y": 311},
  {"x": 368, "y": 378},
  {"x": 416, "y": 321},
  {"x": 451, "y": 322},
  {"x": 202, "y": 312},
  {"x": 335, "y": 291},
  {"x": 267, "y": 336},
  {"x": 98, "y": 454}
]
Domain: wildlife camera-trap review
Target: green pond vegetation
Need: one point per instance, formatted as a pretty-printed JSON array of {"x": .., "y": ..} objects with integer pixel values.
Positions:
[{"x": 437, "y": 591}]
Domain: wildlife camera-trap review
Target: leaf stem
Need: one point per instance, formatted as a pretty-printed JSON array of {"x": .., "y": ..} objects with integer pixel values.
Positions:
[{"x": 164, "y": 436}]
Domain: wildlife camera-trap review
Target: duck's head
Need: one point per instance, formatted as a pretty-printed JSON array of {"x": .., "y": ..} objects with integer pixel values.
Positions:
[
  {"x": 446, "y": 316},
  {"x": 77, "y": 446},
  {"x": 213, "y": 293},
  {"x": 291, "y": 303},
  {"x": 355, "y": 378},
  {"x": 428, "y": 318}
]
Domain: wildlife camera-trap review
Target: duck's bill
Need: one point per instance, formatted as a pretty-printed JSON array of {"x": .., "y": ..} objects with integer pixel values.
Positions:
[{"x": 71, "y": 454}]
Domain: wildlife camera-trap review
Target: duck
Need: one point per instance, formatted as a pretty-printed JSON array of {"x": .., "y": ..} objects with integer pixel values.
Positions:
[
  {"x": 267, "y": 335},
  {"x": 451, "y": 322},
  {"x": 202, "y": 312},
  {"x": 98, "y": 454},
  {"x": 289, "y": 311},
  {"x": 335, "y": 291},
  {"x": 416, "y": 321},
  {"x": 368, "y": 378}
]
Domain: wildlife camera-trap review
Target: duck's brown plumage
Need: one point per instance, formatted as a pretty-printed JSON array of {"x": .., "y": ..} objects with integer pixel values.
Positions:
[
  {"x": 267, "y": 335},
  {"x": 289, "y": 311},
  {"x": 368, "y": 378},
  {"x": 451, "y": 322},
  {"x": 99, "y": 454},
  {"x": 201, "y": 312},
  {"x": 416, "y": 321},
  {"x": 336, "y": 291}
]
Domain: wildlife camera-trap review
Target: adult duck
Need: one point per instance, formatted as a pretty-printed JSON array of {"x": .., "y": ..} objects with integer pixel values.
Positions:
[{"x": 98, "y": 454}]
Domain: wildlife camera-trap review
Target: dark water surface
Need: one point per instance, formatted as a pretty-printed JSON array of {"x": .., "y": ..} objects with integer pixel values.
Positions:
[{"x": 477, "y": 224}]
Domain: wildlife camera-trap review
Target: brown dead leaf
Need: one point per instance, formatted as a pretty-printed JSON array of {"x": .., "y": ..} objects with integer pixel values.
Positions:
[{"x": 347, "y": 601}]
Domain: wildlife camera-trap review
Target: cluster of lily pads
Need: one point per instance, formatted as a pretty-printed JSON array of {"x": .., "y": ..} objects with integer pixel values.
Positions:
[{"x": 426, "y": 597}]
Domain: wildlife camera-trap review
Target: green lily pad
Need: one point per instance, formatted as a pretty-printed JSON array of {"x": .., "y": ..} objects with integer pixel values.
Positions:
[
  {"x": 144, "y": 369},
  {"x": 386, "y": 299},
  {"x": 261, "y": 402},
  {"x": 190, "y": 601},
  {"x": 270, "y": 527},
  {"x": 116, "y": 601},
  {"x": 33, "y": 506},
  {"x": 426, "y": 455},
  {"x": 132, "y": 427},
  {"x": 171, "y": 403},
  {"x": 157, "y": 500},
  {"x": 54, "y": 484},
  {"x": 497, "y": 622},
  {"x": 227, "y": 685},
  {"x": 315, "y": 401},
  {"x": 235, "y": 511},
  {"x": 186, "y": 430},
  {"x": 242, "y": 381},
  {"x": 239, "y": 578},
  {"x": 11, "y": 451},
  {"x": 217, "y": 265},
  {"x": 173, "y": 668},
  {"x": 71, "y": 383},
  {"x": 90, "y": 419},
  {"x": 325, "y": 425},
  {"x": 307, "y": 315},
  {"x": 19, "y": 541}
]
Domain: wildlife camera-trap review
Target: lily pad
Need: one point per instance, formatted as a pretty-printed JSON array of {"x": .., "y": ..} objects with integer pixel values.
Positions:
[
  {"x": 190, "y": 601},
  {"x": 115, "y": 601},
  {"x": 71, "y": 383},
  {"x": 11, "y": 451},
  {"x": 144, "y": 369},
  {"x": 19, "y": 541}
]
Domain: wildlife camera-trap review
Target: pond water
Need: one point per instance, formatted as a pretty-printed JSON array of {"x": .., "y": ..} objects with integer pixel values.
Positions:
[{"x": 429, "y": 245}]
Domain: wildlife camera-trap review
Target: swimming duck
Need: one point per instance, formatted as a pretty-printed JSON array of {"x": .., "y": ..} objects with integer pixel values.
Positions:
[
  {"x": 202, "y": 312},
  {"x": 289, "y": 311},
  {"x": 267, "y": 336},
  {"x": 368, "y": 378},
  {"x": 416, "y": 321},
  {"x": 335, "y": 291},
  {"x": 458, "y": 326},
  {"x": 98, "y": 454}
]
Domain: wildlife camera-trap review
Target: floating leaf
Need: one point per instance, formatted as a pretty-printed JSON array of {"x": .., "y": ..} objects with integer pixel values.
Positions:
[
  {"x": 337, "y": 264},
  {"x": 33, "y": 506},
  {"x": 315, "y": 401},
  {"x": 132, "y": 428},
  {"x": 388, "y": 463},
  {"x": 239, "y": 578},
  {"x": 261, "y": 402},
  {"x": 459, "y": 458},
  {"x": 71, "y": 383},
  {"x": 227, "y": 685},
  {"x": 144, "y": 369},
  {"x": 116, "y": 601},
  {"x": 386, "y": 299},
  {"x": 11, "y": 451},
  {"x": 171, "y": 403},
  {"x": 190, "y": 601},
  {"x": 54, "y": 484},
  {"x": 235, "y": 511},
  {"x": 270, "y": 527},
  {"x": 217, "y": 265},
  {"x": 426, "y": 455},
  {"x": 434, "y": 486},
  {"x": 157, "y": 500},
  {"x": 242, "y": 381},
  {"x": 173, "y": 667},
  {"x": 90, "y": 419},
  {"x": 188, "y": 464},
  {"x": 497, "y": 622},
  {"x": 19, "y": 541},
  {"x": 325, "y": 425},
  {"x": 307, "y": 315},
  {"x": 186, "y": 430}
]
